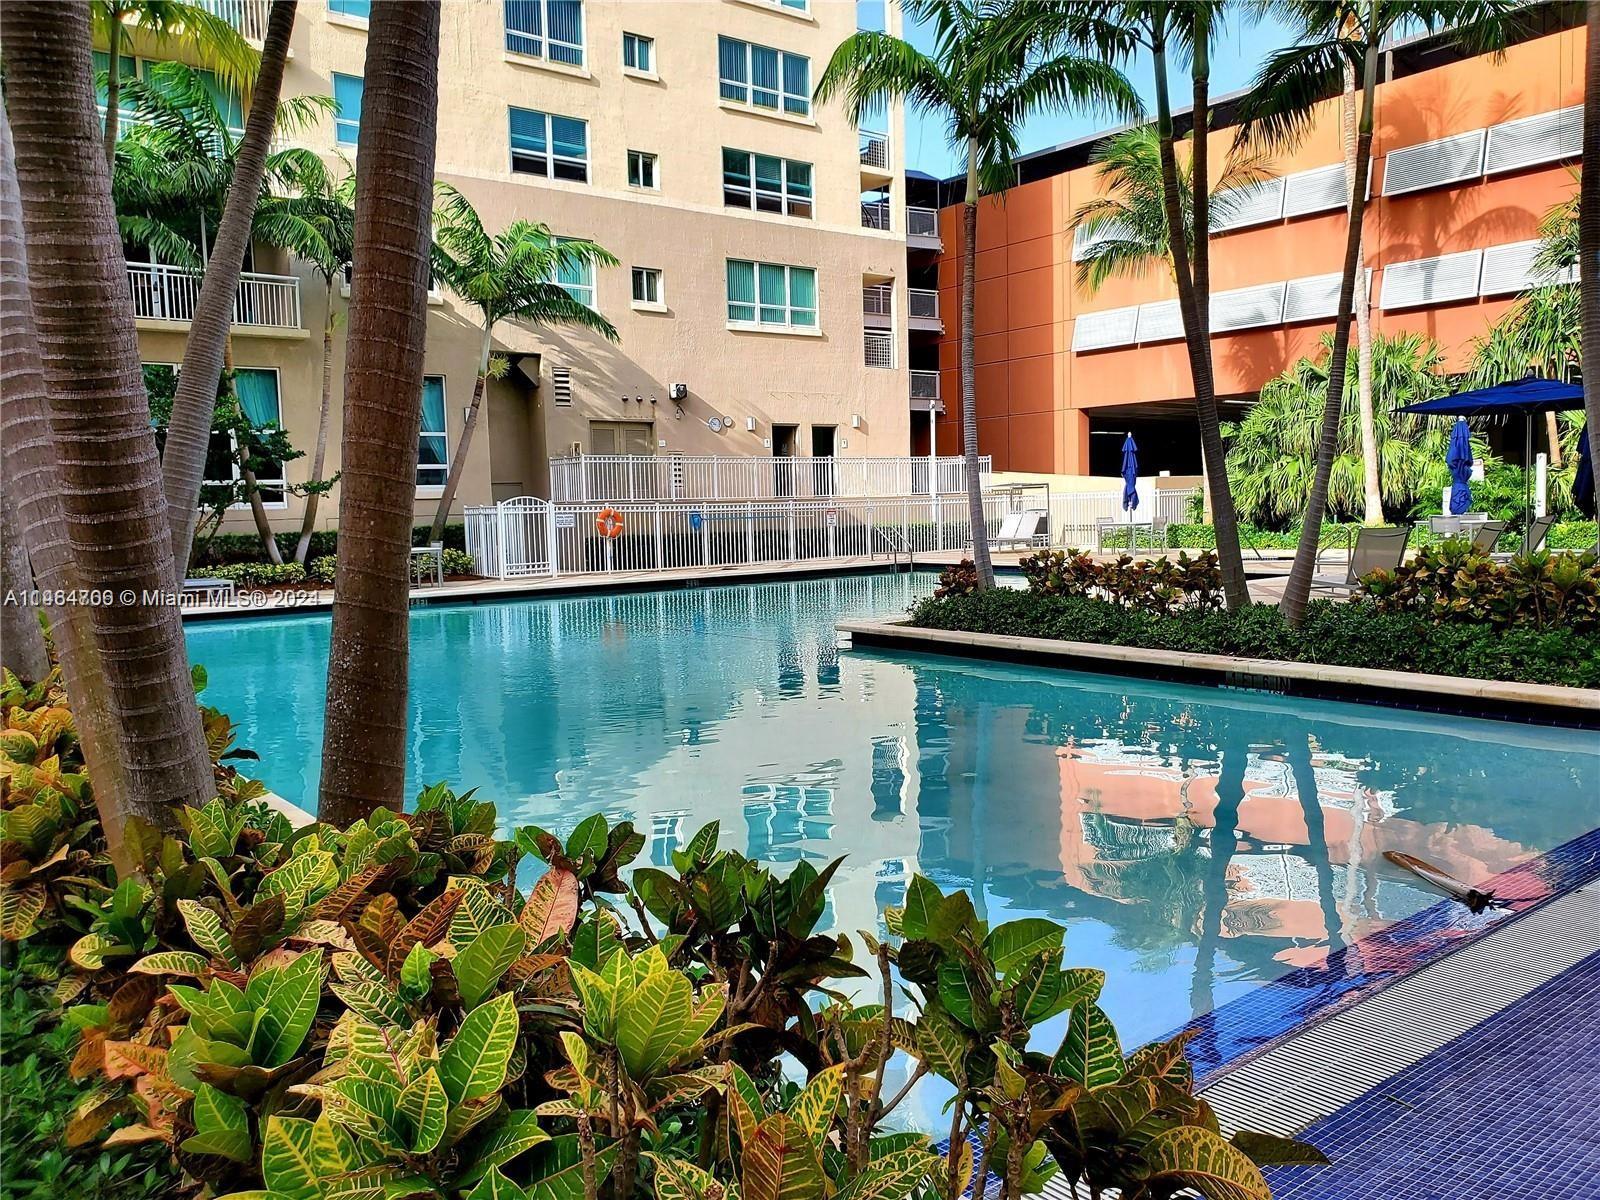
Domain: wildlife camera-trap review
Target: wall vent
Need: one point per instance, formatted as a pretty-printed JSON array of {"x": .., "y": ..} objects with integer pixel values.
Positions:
[
  {"x": 1101, "y": 330},
  {"x": 1528, "y": 141},
  {"x": 561, "y": 382},
  {"x": 1430, "y": 164},
  {"x": 1431, "y": 280}
]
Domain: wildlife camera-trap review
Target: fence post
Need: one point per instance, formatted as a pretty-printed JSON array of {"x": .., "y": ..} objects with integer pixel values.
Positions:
[
  {"x": 905, "y": 525},
  {"x": 552, "y": 538},
  {"x": 793, "y": 556},
  {"x": 500, "y": 535},
  {"x": 938, "y": 522},
  {"x": 661, "y": 562},
  {"x": 749, "y": 532},
  {"x": 705, "y": 537}
]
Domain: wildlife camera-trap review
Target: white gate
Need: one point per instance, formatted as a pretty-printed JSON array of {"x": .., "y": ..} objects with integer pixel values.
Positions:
[{"x": 513, "y": 538}]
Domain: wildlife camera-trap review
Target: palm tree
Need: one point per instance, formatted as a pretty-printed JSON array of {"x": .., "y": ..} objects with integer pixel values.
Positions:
[
  {"x": 317, "y": 224},
  {"x": 1589, "y": 225},
  {"x": 193, "y": 30},
  {"x": 109, "y": 472},
  {"x": 1279, "y": 109},
  {"x": 995, "y": 63},
  {"x": 1127, "y": 222},
  {"x": 1271, "y": 450},
  {"x": 510, "y": 276},
  {"x": 183, "y": 460},
  {"x": 1372, "y": 491},
  {"x": 364, "y": 730},
  {"x": 21, "y": 639}
]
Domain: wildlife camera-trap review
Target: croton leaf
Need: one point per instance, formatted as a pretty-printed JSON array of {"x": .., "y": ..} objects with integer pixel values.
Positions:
[
  {"x": 172, "y": 962},
  {"x": 1014, "y": 943},
  {"x": 1200, "y": 1159},
  {"x": 287, "y": 1006},
  {"x": 817, "y": 1102},
  {"x": 514, "y": 1133},
  {"x": 423, "y": 1104},
  {"x": 781, "y": 1162},
  {"x": 288, "y": 1158},
  {"x": 557, "y": 1168},
  {"x": 1090, "y": 1053},
  {"x": 891, "y": 1177},
  {"x": 495, "y": 1186},
  {"x": 552, "y": 906},
  {"x": 474, "y": 1063},
  {"x": 481, "y": 963}
]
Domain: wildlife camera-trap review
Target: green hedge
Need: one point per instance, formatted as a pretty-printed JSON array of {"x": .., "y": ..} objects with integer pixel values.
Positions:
[
  {"x": 228, "y": 548},
  {"x": 254, "y": 574},
  {"x": 1565, "y": 535},
  {"x": 1340, "y": 634}
]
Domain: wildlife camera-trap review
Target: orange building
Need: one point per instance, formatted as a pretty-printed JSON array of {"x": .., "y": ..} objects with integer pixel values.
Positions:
[{"x": 1469, "y": 154}]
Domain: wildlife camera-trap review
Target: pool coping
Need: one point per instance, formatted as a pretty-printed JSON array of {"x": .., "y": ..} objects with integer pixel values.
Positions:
[{"x": 1545, "y": 703}]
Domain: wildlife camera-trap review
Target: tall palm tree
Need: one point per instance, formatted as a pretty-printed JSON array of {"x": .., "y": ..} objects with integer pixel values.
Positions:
[
  {"x": 995, "y": 63},
  {"x": 1127, "y": 222},
  {"x": 364, "y": 730},
  {"x": 316, "y": 222},
  {"x": 22, "y": 648},
  {"x": 1372, "y": 489},
  {"x": 183, "y": 460},
  {"x": 509, "y": 276},
  {"x": 192, "y": 30},
  {"x": 109, "y": 471},
  {"x": 1589, "y": 226},
  {"x": 1279, "y": 109}
]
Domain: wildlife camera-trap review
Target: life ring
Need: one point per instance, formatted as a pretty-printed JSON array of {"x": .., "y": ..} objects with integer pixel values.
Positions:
[{"x": 608, "y": 523}]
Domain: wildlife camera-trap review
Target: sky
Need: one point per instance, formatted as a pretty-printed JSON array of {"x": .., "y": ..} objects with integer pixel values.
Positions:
[{"x": 1241, "y": 49}]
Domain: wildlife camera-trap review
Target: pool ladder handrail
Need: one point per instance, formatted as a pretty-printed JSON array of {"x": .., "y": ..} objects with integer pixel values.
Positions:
[{"x": 898, "y": 544}]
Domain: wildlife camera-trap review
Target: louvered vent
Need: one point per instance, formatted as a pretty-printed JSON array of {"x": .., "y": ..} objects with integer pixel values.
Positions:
[
  {"x": 1240, "y": 207},
  {"x": 1433, "y": 163},
  {"x": 1313, "y": 298},
  {"x": 561, "y": 379},
  {"x": 1247, "y": 308},
  {"x": 1083, "y": 240},
  {"x": 1320, "y": 190},
  {"x": 1431, "y": 280},
  {"x": 1527, "y": 141},
  {"x": 1160, "y": 322},
  {"x": 1509, "y": 268},
  {"x": 1099, "y": 330}
]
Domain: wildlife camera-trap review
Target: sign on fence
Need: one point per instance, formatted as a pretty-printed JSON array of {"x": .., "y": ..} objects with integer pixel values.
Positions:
[{"x": 566, "y": 520}]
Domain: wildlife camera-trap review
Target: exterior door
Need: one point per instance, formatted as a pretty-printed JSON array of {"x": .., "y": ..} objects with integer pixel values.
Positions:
[
  {"x": 783, "y": 447},
  {"x": 822, "y": 439}
]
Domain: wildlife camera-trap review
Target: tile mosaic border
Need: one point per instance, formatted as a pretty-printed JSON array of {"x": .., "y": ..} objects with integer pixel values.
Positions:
[{"x": 1242, "y": 1029}]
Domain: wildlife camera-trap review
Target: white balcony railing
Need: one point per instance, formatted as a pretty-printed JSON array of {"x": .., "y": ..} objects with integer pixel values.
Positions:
[
  {"x": 922, "y": 222},
  {"x": 734, "y": 477},
  {"x": 879, "y": 346},
  {"x": 165, "y": 293},
  {"x": 923, "y": 302},
  {"x": 877, "y": 299},
  {"x": 875, "y": 214},
  {"x": 925, "y": 391},
  {"x": 249, "y": 17},
  {"x": 874, "y": 149}
]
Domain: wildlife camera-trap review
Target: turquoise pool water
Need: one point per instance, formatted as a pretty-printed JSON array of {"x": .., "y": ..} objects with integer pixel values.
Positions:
[{"x": 1197, "y": 842}]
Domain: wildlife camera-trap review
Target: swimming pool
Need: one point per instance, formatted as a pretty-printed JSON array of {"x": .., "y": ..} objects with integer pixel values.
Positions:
[{"x": 1196, "y": 842}]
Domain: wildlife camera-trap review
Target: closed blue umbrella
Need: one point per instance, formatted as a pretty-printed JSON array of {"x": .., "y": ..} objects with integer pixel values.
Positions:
[
  {"x": 1459, "y": 460},
  {"x": 1583, "y": 481},
  {"x": 1130, "y": 474}
]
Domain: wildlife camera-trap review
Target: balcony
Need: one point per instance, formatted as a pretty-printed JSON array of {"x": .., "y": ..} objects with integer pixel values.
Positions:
[
  {"x": 879, "y": 347},
  {"x": 249, "y": 17},
  {"x": 875, "y": 155},
  {"x": 922, "y": 310},
  {"x": 265, "y": 302},
  {"x": 875, "y": 214},
  {"x": 877, "y": 305},
  {"x": 922, "y": 229},
  {"x": 925, "y": 392}
]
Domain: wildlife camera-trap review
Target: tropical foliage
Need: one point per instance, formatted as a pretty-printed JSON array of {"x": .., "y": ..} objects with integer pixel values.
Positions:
[
  {"x": 1453, "y": 582},
  {"x": 387, "y": 1010}
]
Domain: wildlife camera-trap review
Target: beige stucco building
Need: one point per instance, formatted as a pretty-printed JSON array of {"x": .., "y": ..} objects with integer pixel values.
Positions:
[{"x": 617, "y": 121}]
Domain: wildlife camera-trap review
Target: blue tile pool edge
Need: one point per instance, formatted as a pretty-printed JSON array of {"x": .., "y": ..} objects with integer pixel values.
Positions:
[{"x": 1243, "y": 1029}]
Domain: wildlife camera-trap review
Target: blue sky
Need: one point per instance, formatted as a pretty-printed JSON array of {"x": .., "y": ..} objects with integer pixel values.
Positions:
[{"x": 1242, "y": 48}]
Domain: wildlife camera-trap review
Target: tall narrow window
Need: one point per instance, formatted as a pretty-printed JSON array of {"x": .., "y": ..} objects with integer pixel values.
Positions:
[
  {"x": 548, "y": 29},
  {"x": 576, "y": 279},
  {"x": 638, "y": 52},
  {"x": 641, "y": 169},
  {"x": 763, "y": 77},
  {"x": 347, "y": 91},
  {"x": 433, "y": 444},
  {"x": 553, "y": 146},
  {"x": 257, "y": 389},
  {"x": 771, "y": 294}
]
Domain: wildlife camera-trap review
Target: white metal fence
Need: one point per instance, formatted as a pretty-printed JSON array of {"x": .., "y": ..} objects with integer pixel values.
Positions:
[
  {"x": 528, "y": 536},
  {"x": 730, "y": 477},
  {"x": 171, "y": 293},
  {"x": 249, "y": 17},
  {"x": 877, "y": 347}
]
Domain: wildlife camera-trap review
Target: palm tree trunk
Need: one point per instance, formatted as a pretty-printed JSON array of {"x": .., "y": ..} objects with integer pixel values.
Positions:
[
  {"x": 458, "y": 460},
  {"x": 308, "y": 523},
  {"x": 155, "y": 756},
  {"x": 1589, "y": 228},
  {"x": 194, "y": 405},
  {"x": 969, "y": 372},
  {"x": 1371, "y": 484},
  {"x": 1195, "y": 306},
  {"x": 21, "y": 639},
  {"x": 1552, "y": 433},
  {"x": 113, "y": 84},
  {"x": 1297, "y": 591},
  {"x": 364, "y": 739}
]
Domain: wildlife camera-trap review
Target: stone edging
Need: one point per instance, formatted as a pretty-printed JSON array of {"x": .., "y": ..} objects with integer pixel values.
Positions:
[{"x": 1484, "y": 697}]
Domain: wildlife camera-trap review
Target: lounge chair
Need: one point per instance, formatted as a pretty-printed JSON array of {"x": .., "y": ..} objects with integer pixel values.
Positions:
[
  {"x": 212, "y": 590},
  {"x": 1458, "y": 526},
  {"x": 1533, "y": 539},
  {"x": 1377, "y": 548},
  {"x": 1023, "y": 528},
  {"x": 1485, "y": 535}
]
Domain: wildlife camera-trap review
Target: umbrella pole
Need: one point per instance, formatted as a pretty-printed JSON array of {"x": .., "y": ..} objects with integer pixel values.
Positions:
[{"x": 1527, "y": 477}]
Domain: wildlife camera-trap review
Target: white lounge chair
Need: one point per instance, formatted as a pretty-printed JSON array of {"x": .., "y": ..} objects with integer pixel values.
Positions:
[
  {"x": 1377, "y": 547},
  {"x": 1024, "y": 528}
]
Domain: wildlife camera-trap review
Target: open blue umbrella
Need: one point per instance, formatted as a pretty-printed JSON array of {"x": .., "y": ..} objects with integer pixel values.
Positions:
[
  {"x": 1583, "y": 481},
  {"x": 1130, "y": 474},
  {"x": 1459, "y": 460}
]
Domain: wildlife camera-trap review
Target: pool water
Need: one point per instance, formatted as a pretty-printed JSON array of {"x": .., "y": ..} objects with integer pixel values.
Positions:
[{"x": 1197, "y": 842}]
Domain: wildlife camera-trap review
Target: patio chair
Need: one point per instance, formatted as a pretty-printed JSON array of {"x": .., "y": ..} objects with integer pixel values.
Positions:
[
  {"x": 1377, "y": 547},
  {"x": 419, "y": 564},
  {"x": 212, "y": 590},
  {"x": 1532, "y": 540},
  {"x": 1009, "y": 524},
  {"x": 1021, "y": 528},
  {"x": 1484, "y": 536}
]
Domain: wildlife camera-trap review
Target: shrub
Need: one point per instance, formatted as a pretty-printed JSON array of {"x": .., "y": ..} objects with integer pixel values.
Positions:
[
  {"x": 1153, "y": 584},
  {"x": 226, "y": 548},
  {"x": 958, "y": 580},
  {"x": 382, "y": 1007},
  {"x": 255, "y": 574},
  {"x": 456, "y": 562},
  {"x": 1356, "y": 634},
  {"x": 323, "y": 569},
  {"x": 1453, "y": 582}
]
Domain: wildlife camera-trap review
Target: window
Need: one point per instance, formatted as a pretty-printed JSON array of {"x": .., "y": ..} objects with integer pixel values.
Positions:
[
  {"x": 347, "y": 91},
  {"x": 548, "y": 29},
  {"x": 638, "y": 52},
  {"x": 229, "y": 104},
  {"x": 552, "y": 146},
  {"x": 771, "y": 294},
  {"x": 576, "y": 279},
  {"x": 257, "y": 389},
  {"x": 127, "y": 68},
  {"x": 641, "y": 169},
  {"x": 647, "y": 286},
  {"x": 433, "y": 448},
  {"x": 766, "y": 183},
  {"x": 621, "y": 437},
  {"x": 764, "y": 77},
  {"x": 351, "y": 8}
]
